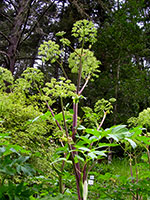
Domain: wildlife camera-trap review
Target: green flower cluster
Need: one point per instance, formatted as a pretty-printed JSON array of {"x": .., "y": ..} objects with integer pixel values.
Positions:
[
  {"x": 33, "y": 75},
  {"x": 63, "y": 88},
  {"x": 103, "y": 105},
  {"x": 85, "y": 31},
  {"x": 89, "y": 63},
  {"x": 49, "y": 51}
]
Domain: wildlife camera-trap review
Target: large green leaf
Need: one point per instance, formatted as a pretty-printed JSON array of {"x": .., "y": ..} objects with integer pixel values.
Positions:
[{"x": 118, "y": 132}]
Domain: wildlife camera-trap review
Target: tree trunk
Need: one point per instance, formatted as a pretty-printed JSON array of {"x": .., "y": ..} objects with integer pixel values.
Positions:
[{"x": 16, "y": 33}]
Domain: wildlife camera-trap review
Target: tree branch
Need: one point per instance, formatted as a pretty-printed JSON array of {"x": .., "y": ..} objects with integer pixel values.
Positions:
[
  {"x": 37, "y": 21},
  {"x": 5, "y": 54},
  {"x": 6, "y": 17},
  {"x": 4, "y": 36},
  {"x": 80, "y": 9},
  {"x": 26, "y": 20}
]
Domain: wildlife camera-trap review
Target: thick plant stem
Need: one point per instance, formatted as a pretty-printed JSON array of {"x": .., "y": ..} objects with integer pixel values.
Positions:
[
  {"x": 74, "y": 128},
  {"x": 85, "y": 172},
  {"x": 75, "y": 114},
  {"x": 80, "y": 69},
  {"x": 75, "y": 165},
  {"x": 78, "y": 178}
]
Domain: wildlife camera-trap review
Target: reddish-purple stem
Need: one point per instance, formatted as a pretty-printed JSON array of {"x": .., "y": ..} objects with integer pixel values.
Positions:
[
  {"x": 86, "y": 82},
  {"x": 102, "y": 121},
  {"x": 75, "y": 114},
  {"x": 84, "y": 172},
  {"x": 53, "y": 115}
]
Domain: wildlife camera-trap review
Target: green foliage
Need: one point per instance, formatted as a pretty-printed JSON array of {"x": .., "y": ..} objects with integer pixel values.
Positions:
[
  {"x": 19, "y": 113},
  {"x": 90, "y": 118},
  {"x": 5, "y": 77},
  {"x": 132, "y": 121},
  {"x": 60, "y": 33},
  {"x": 59, "y": 197},
  {"x": 143, "y": 119},
  {"x": 15, "y": 114},
  {"x": 14, "y": 167},
  {"x": 88, "y": 151},
  {"x": 114, "y": 181},
  {"x": 13, "y": 163},
  {"x": 21, "y": 86},
  {"x": 19, "y": 191}
]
